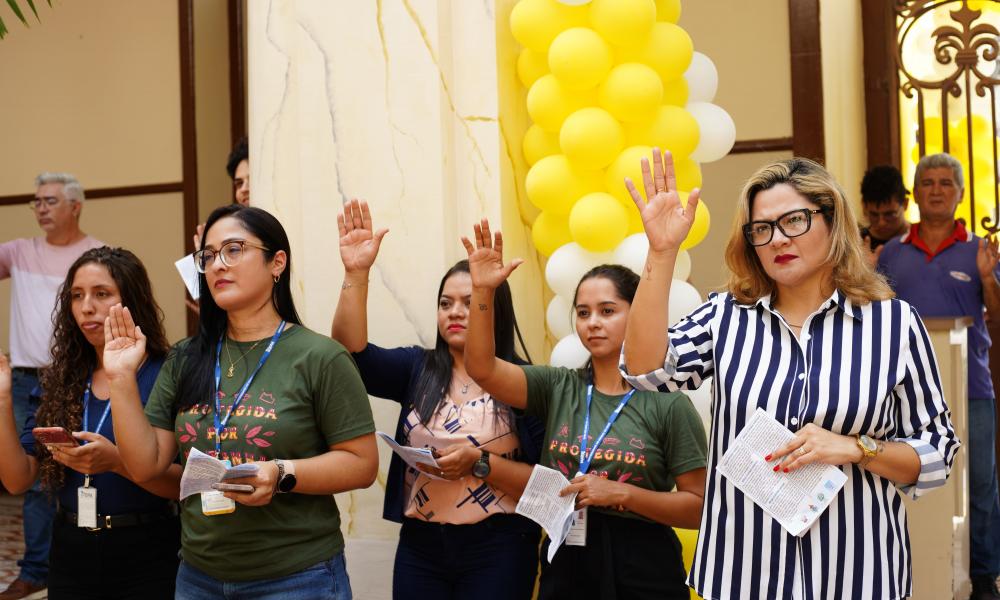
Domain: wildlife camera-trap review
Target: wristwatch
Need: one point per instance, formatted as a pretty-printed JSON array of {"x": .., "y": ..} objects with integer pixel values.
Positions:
[
  {"x": 870, "y": 449},
  {"x": 481, "y": 468},
  {"x": 286, "y": 477}
]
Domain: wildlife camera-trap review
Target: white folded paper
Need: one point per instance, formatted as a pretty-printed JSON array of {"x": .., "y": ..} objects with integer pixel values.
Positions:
[
  {"x": 185, "y": 266},
  {"x": 794, "y": 499},
  {"x": 412, "y": 456},
  {"x": 542, "y": 503},
  {"x": 202, "y": 470}
]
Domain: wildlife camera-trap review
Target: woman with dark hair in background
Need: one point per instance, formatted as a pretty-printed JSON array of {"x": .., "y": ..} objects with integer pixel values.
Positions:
[
  {"x": 253, "y": 385},
  {"x": 129, "y": 548},
  {"x": 460, "y": 536},
  {"x": 624, "y": 467}
]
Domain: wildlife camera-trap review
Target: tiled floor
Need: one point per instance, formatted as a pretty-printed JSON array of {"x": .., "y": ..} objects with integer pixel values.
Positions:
[{"x": 11, "y": 539}]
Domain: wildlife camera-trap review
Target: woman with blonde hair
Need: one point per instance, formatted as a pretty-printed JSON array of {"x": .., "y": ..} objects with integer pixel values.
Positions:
[{"x": 808, "y": 332}]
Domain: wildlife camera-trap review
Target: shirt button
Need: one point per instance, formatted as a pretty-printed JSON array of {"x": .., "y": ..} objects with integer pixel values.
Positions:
[
  {"x": 794, "y": 420},
  {"x": 802, "y": 376},
  {"x": 805, "y": 336}
]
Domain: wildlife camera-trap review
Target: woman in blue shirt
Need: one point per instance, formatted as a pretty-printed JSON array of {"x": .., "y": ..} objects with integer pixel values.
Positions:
[
  {"x": 460, "y": 537},
  {"x": 132, "y": 550}
]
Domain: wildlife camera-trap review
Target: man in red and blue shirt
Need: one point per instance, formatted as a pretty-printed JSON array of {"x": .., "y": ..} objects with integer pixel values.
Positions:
[{"x": 945, "y": 271}]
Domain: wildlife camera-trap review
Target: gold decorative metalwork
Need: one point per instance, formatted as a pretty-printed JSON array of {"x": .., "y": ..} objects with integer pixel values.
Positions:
[{"x": 963, "y": 45}]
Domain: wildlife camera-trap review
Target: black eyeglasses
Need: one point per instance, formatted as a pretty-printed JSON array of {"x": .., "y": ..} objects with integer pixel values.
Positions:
[
  {"x": 231, "y": 254},
  {"x": 792, "y": 224}
]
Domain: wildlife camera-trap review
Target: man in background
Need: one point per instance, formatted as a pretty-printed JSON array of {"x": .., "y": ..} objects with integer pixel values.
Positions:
[
  {"x": 37, "y": 267},
  {"x": 883, "y": 201}
]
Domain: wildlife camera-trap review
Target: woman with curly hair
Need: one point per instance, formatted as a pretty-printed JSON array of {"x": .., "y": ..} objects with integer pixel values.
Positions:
[{"x": 132, "y": 550}]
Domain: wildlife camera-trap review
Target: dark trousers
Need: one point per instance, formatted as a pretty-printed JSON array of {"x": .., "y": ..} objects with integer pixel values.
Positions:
[
  {"x": 138, "y": 562},
  {"x": 494, "y": 559},
  {"x": 624, "y": 559}
]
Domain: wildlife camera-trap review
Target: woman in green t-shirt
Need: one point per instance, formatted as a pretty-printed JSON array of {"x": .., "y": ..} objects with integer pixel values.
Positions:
[
  {"x": 631, "y": 461},
  {"x": 252, "y": 386}
]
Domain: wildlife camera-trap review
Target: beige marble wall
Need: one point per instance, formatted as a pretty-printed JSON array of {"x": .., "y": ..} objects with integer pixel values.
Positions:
[{"x": 393, "y": 101}]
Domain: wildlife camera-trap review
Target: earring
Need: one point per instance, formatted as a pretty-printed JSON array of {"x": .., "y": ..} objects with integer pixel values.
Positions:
[{"x": 276, "y": 278}]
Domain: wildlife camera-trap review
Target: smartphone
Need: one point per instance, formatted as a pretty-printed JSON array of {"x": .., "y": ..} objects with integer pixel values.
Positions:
[
  {"x": 234, "y": 487},
  {"x": 54, "y": 436}
]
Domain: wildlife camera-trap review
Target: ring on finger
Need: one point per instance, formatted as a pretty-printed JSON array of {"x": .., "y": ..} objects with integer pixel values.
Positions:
[{"x": 801, "y": 451}]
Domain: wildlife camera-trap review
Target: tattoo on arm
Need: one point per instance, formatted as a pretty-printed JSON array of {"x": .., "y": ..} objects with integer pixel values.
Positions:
[{"x": 482, "y": 307}]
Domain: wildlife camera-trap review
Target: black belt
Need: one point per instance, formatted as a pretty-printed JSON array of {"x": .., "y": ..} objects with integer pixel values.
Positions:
[
  {"x": 118, "y": 521},
  {"x": 27, "y": 370}
]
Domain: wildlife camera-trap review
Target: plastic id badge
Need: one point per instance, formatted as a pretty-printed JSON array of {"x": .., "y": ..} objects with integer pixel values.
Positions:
[
  {"x": 577, "y": 535},
  {"x": 86, "y": 507},
  {"x": 215, "y": 503}
]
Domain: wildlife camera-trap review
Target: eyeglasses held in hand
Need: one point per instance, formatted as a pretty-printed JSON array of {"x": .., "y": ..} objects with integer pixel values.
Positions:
[
  {"x": 231, "y": 254},
  {"x": 792, "y": 224}
]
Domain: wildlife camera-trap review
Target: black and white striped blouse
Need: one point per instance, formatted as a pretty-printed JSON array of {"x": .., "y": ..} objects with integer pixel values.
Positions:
[{"x": 866, "y": 369}]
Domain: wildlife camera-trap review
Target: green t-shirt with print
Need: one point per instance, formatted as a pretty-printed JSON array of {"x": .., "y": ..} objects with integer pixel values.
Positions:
[
  {"x": 307, "y": 397},
  {"x": 656, "y": 437}
]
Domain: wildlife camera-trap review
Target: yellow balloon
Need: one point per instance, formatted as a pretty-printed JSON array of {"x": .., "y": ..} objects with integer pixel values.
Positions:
[
  {"x": 634, "y": 220},
  {"x": 631, "y": 92},
  {"x": 598, "y": 222},
  {"x": 668, "y": 10},
  {"x": 538, "y": 144},
  {"x": 673, "y": 128},
  {"x": 688, "y": 173},
  {"x": 626, "y": 165},
  {"x": 579, "y": 58},
  {"x": 675, "y": 92},
  {"x": 591, "y": 138},
  {"x": 622, "y": 21},
  {"x": 530, "y": 66},
  {"x": 535, "y": 23},
  {"x": 667, "y": 48},
  {"x": 550, "y": 232},
  {"x": 553, "y": 184},
  {"x": 689, "y": 541},
  {"x": 550, "y": 102},
  {"x": 699, "y": 229}
]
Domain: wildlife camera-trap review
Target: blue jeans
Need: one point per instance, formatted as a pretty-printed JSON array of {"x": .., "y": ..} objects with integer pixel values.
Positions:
[
  {"x": 496, "y": 559},
  {"x": 39, "y": 507},
  {"x": 326, "y": 580},
  {"x": 984, "y": 506}
]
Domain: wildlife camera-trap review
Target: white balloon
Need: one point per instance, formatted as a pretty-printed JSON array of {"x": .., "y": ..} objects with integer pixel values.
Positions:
[
  {"x": 683, "y": 300},
  {"x": 559, "y": 317},
  {"x": 718, "y": 132},
  {"x": 702, "y": 78},
  {"x": 701, "y": 398},
  {"x": 631, "y": 253},
  {"x": 570, "y": 353},
  {"x": 568, "y": 264},
  {"x": 682, "y": 269}
]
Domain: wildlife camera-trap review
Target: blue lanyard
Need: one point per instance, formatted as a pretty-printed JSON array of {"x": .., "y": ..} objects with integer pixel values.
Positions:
[
  {"x": 584, "y": 459},
  {"x": 220, "y": 423},
  {"x": 86, "y": 408}
]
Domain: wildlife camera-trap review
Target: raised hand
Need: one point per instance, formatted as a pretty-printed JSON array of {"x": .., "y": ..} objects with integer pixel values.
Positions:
[
  {"x": 666, "y": 221},
  {"x": 486, "y": 258},
  {"x": 358, "y": 244},
  {"x": 987, "y": 256},
  {"x": 124, "y": 344}
]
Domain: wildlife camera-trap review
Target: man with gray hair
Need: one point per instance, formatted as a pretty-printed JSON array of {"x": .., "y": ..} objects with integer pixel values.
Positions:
[
  {"x": 945, "y": 271},
  {"x": 37, "y": 267}
]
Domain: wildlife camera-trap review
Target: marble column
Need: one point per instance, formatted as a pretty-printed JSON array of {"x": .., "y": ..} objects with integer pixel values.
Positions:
[{"x": 396, "y": 102}]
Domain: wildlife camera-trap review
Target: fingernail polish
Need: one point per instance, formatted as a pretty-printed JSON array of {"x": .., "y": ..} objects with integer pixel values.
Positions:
[
  {"x": 768, "y": 457},
  {"x": 786, "y": 470},
  {"x": 776, "y": 467}
]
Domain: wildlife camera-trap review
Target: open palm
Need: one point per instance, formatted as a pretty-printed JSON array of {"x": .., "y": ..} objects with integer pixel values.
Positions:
[
  {"x": 665, "y": 219},
  {"x": 358, "y": 244},
  {"x": 486, "y": 258},
  {"x": 124, "y": 343}
]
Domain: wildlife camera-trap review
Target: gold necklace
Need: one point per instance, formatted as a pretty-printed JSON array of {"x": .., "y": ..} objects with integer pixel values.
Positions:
[{"x": 232, "y": 363}]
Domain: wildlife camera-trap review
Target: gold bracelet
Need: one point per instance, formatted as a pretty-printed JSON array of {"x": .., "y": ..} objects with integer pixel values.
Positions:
[{"x": 348, "y": 284}]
